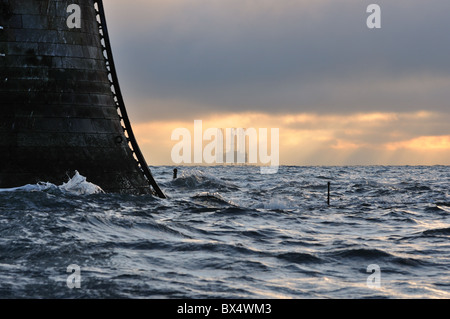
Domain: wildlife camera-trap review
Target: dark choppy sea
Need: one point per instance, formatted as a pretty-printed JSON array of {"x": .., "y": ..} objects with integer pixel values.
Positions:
[{"x": 230, "y": 232}]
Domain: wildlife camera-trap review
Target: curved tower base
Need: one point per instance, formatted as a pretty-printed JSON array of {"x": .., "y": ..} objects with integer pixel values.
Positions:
[{"x": 61, "y": 108}]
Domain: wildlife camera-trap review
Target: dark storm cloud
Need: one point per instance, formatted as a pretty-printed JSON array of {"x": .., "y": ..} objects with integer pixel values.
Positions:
[{"x": 280, "y": 56}]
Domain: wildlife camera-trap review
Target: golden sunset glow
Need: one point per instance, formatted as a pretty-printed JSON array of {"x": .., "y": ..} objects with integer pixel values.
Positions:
[
  {"x": 423, "y": 143},
  {"x": 312, "y": 139}
]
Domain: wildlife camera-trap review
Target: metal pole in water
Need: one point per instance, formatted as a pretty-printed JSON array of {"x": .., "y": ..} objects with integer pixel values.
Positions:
[{"x": 329, "y": 186}]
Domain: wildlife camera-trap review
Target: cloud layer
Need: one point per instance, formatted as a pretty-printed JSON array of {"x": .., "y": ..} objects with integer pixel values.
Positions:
[
  {"x": 185, "y": 57},
  {"x": 339, "y": 92}
]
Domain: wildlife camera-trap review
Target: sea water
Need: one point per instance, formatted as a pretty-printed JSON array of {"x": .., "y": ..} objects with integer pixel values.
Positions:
[{"x": 230, "y": 232}]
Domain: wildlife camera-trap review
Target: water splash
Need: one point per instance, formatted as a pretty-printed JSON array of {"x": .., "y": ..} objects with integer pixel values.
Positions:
[{"x": 77, "y": 185}]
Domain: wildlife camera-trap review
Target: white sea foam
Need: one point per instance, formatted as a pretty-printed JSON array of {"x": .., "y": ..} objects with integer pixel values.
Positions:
[
  {"x": 278, "y": 204},
  {"x": 77, "y": 185},
  {"x": 80, "y": 186}
]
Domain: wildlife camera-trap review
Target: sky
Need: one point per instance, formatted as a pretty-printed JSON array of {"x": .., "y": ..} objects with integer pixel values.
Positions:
[{"x": 339, "y": 92}]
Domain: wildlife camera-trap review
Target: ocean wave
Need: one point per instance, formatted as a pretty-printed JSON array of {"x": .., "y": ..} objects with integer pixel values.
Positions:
[
  {"x": 365, "y": 253},
  {"x": 437, "y": 231},
  {"x": 436, "y": 209},
  {"x": 39, "y": 187},
  {"x": 197, "y": 179},
  {"x": 444, "y": 207},
  {"x": 401, "y": 215},
  {"x": 299, "y": 258},
  {"x": 277, "y": 204},
  {"x": 412, "y": 262},
  {"x": 234, "y": 210},
  {"x": 379, "y": 256},
  {"x": 418, "y": 187},
  {"x": 212, "y": 199}
]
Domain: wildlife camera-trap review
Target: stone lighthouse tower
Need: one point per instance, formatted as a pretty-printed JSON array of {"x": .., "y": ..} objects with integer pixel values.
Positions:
[{"x": 61, "y": 109}]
